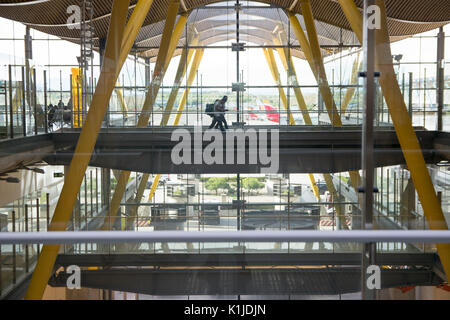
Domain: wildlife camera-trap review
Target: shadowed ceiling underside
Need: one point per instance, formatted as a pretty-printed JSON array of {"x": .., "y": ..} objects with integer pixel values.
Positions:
[{"x": 405, "y": 18}]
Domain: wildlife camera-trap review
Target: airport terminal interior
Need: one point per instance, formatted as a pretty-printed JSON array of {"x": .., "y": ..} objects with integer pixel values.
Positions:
[{"x": 110, "y": 121}]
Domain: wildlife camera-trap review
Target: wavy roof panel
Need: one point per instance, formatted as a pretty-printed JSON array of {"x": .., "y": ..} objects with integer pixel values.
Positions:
[{"x": 215, "y": 21}]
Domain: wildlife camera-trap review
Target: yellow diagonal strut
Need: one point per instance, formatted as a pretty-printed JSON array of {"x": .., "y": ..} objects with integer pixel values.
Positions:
[
  {"x": 402, "y": 123},
  {"x": 327, "y": 177},
  {"x": 193, "y": 71},
  {"x": 317, "y": 65},
  {"x": 185, "y": 59},
  {"x": 85, "y": 145},
  {"x": 353, "y": 81},
  {"x": 274, "y": 70},
  {"x": 121, "y": 98},
  {"x": 268, "y": 53},
  {"x": 169, "y": 40},
  {"x": 288, "y": 64},
  {"x": 313, "y": 55}
]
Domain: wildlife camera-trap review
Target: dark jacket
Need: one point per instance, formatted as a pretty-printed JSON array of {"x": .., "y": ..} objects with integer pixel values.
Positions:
[{"x": 219, "y": 109}]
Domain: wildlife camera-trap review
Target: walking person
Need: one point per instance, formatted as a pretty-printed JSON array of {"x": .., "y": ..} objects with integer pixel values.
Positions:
[{"x": 219, "y": 114}]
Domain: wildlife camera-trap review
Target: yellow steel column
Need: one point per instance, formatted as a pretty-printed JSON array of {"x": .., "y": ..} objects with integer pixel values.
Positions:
[
  {"x": 84, "y": 147},
  {"x": 353, "y": 81},
  {"x": 139, "y": 194},
  {"x": 335, "y": 196},
  {"x": 154, "y": 186},
  {"x": 119, "y": 191},
  {"x": 192, "y": 73},
  {"x": 407, "y": 137},
  {"x": 289, "y": 67},
  {"x": 169, "y": 39},
  {"x": 140, "y": 191},
  {"x": 402, "y": 123},
  {"x": 133, "y": 26},
  {"x": 268, "y": 53},
  {"x": 327, "y": 177},
  {"x": 312, "y": 52},
  {"x": 354, "y": 17},
  {"x": 122, "y": 102},
  {"x": 176, "y": 34},
  {"x": 274, "y": 70},
  {"x": 299, "y": 96},
  {"x": 301, "y": 37},
  {"x": 317, "y": 63},
  {"x": 17, "y": 99},
  {"x": 185, "y": 60},
  {"x": 314, "y": 186},
  {"x": 77, "y": 97}
]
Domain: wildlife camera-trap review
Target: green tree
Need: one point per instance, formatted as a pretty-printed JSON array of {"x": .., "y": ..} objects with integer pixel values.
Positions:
[
  {"x": 252, "y": 184},
  {"x": 215, "y": 183}
]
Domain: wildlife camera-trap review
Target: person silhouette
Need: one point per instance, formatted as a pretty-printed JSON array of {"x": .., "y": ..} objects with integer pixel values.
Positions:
[{"x": 219, "y": 115}]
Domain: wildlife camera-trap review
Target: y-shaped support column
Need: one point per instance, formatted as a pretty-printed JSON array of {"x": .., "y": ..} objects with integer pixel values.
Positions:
[
  {"x": 402, "y": 123},
  {"x": 86, "y": 142},
  {"x": 300, "y": 99},
  {"x": 192, "y": 73},
  {"x": 168, "y": 44}
]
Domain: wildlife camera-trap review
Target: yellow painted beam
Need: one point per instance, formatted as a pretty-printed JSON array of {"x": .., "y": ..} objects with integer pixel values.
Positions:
[
  {"x": 314, "y": 186},
  {"x": 407, "y": 137},
  {"x": 139, "y": 194},
  {"x": 327, "y": 177},
  {"x": 169, "y": 39},
  {"x": 315, "y": 60},
  {"x": 17, "y": 99},
  {"x": 133, "y": 27},
  {"x": 154, "y": 186},
  {"x": 83, "y": 149},
  {"x": 314, "y": 56},
  {"x": 312, "y": 53},
  {"x": 122, "y": 101},
  {"x": 176, "y": 35},
  {"x": 274, "y": 70},
  {"x": 354, "y": 17},
  {"x": 337, "y": 206},
  {"x": 353, "y": 81},
  {"x": 299, "y": 96},
  {"x": 185, "y": 60},
  {"x": 77, "y": 98},
  {"x": 292, "y": 75},
  {"x": 270, "y": 58},
  {"x": 192, "y": 73},
  {"x": 402, "y": 123},
  {"x": 303, "y": 41},
  {"x": 116, "y": 200}
]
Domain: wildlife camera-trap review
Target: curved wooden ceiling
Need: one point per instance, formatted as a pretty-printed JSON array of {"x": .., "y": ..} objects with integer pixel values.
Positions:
[{"x": 405, "y": 18}]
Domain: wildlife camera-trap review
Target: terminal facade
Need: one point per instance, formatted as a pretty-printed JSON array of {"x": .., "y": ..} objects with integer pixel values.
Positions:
[{"x": 104, "y": 127}]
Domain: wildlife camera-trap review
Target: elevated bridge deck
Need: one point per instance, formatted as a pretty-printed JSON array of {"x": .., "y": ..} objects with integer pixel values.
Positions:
[
  {"x": 315, "y": 149},
  {"x": 232, "y": 274}
]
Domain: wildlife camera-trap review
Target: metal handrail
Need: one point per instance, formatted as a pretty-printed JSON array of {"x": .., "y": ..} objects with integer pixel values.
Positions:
[{"x": 66, "y": 237}]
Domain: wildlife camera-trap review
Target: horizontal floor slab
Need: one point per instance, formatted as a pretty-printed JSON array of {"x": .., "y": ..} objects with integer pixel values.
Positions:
[{"x": 315, "y": 149}]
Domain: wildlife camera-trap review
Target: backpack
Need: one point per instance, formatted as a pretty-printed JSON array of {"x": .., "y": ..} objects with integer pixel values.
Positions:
[{"x": 210, "y": 109}]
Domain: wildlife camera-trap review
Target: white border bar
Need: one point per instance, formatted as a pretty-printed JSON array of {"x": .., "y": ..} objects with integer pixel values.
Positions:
[{"x": 68, "y": 237}]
